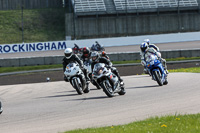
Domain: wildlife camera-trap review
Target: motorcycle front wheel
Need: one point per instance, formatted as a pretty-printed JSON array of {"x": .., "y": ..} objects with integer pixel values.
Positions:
[
  {"x": 158, "y": 78},
  {"x": 77, "y": 87},
  {"x": 107, "y": 88}
]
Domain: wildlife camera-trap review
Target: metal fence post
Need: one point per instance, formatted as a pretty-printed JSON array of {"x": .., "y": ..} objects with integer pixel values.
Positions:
[
  {"x": 22, "y": 6},
  {"x": 198, "y": 1},
  {"x": 74, "y": 17},
  {"x": 126, "y": 17},
  {"x": 179, "y": 21}
]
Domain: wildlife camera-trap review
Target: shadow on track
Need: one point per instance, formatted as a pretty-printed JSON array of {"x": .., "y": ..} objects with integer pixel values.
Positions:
[
  {"x": 60, "y": 96},
  {"x": 91, "y": 98},
  {"x": 142, "y": 87}
]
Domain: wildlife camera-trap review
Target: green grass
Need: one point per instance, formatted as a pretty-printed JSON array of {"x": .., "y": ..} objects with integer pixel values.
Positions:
[
  {"x": 28, "y": 68},
  {"x": 165, "y": 124},
  {"x": 192, "y": 70},
  {"x": 39, "y": 25},
  {"x": 170, "y": 59}
]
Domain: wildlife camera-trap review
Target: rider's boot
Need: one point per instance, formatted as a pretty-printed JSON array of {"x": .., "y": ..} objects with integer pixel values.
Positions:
[
  {"x": 145, "y": 71},
  {"x": 166, "y": 71},
  {"x": 65, "y": 79},
  {"x": 87, "y": 78}
]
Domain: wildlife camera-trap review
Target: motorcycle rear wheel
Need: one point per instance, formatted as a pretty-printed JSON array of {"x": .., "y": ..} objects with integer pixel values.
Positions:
[
  {"x": 123, "y": 91},
  {"x": 1, "y": 109},
  {"x": 87, "y": 89},
  {"x": 166, "y": 82}
]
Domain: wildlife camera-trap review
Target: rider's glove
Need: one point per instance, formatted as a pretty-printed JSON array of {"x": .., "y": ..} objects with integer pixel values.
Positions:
[
  {"x": 81, "y": 66},
  {"x": 107, "y": 66}
]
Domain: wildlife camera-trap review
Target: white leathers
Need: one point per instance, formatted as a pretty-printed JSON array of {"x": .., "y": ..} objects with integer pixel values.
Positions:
[{"x": 145, "y": 55}]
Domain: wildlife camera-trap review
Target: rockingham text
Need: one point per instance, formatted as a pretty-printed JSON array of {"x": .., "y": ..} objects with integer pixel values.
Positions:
[{"x": 28, "y": 47}]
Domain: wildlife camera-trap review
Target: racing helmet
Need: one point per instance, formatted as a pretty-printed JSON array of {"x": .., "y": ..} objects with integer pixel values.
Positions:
[
  {"x": 103, "y": 53},
  {"x": 95, "y": 56},
  {"x": 68, "y": 53},
  {"x": 143, "y": 46},
  {"x": 147, "y": 41},
  {"x": 86, "y": 51}
]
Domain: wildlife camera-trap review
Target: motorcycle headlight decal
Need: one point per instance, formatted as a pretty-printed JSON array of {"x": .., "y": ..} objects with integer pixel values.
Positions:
[
  {"x": 100, "y": 71},
  {"x": 152, "y": 62}
]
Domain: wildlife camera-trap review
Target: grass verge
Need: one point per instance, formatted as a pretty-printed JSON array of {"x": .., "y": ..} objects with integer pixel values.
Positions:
[
  {"x": 27, "y": 68},
  {"x": 38, "y": 25},
  {"x": 165, "y": 124},
  {"x": 192, "y": 70}
]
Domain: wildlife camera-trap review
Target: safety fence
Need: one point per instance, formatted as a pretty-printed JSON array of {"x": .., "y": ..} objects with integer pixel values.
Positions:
[
  {"x": 48, "y": 60},
  {"x": 29, "y": 4}
]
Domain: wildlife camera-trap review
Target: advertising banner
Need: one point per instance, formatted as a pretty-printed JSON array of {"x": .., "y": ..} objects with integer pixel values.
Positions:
[{"x": 31, "y": 47}]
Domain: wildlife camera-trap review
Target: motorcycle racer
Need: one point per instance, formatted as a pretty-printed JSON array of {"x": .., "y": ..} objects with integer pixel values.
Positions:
[
  {"x": 150, "y": 45},
  {"x": 70, "y": 57},
  {"x": 86, "y": 54},
  {"x": 103, "y": 54},
  {"x": 97, "y": 59},
  {"x": 145, "y": 51}
]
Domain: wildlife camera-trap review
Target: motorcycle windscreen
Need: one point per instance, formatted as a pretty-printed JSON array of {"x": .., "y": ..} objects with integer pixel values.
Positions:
[{"x": 98, "y": 68}]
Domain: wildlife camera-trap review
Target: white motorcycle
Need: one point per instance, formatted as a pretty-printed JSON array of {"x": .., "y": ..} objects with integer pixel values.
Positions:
[
  {"x": 108, "y": 81},
  {"x": 77, "y": 78},
  {"x": 87, "y": 65}
]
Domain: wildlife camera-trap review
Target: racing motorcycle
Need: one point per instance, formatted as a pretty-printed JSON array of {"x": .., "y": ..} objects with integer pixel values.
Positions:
[
  {"x": 107, "y": 80},
  {"x": 156, "y": 69},
  {"x": 77, "y": 78},
  {"x": 97, "y": 47},
  {"x": 1, "y": 109},
  {"x": 76, "y": 49},
  {"x": 87, "y": 65}
]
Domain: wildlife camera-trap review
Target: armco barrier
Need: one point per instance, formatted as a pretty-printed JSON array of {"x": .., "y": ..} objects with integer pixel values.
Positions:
[{"x": 31, "y": 61}]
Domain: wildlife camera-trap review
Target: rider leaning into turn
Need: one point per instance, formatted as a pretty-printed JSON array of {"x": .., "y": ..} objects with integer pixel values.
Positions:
[
  {"x": 86, "y": 54},
  {"x": 97, "y": 59},
  {"x": 145, "y": 50},
  {"x": 70, "y": 57},
  {"x": 104, "y": 54}
]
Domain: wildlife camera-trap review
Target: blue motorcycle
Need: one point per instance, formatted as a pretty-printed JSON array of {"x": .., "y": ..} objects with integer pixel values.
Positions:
[{"x": 156, "y": 69}]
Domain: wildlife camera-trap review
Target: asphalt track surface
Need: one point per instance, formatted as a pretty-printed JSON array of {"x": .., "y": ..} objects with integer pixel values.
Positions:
[
  {"x": 53, "y": 107},
  {"x": 130, "y": 48}
]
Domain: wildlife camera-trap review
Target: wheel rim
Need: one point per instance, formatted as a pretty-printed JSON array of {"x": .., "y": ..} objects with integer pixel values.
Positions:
[{"x": 109, "y": 87}]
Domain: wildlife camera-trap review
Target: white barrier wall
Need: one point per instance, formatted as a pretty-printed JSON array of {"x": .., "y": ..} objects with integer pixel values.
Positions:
[
  {"x": 106, "y": 42},
  {"x": 113, "y": 57}
]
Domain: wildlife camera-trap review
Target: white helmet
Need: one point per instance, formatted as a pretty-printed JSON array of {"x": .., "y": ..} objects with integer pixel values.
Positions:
[
  {"x": 147, "y": 41},
  {"x": 96, "y": 55},
  {"x": 68, "y": 53},
  {"x": 143, "y": 46}
]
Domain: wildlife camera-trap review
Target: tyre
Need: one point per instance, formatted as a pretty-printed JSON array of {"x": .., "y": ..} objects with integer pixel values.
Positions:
[
  {"x": 123, "y": 91},
  {"x": 77, "y": 87},
  {"x": 158, "y": 78},
  {"x": 166, "y": 82},
  {"x": 87, "y": 89},
  {"x": 1, "y": 109},
  {"x": 107, "y": 88}
]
